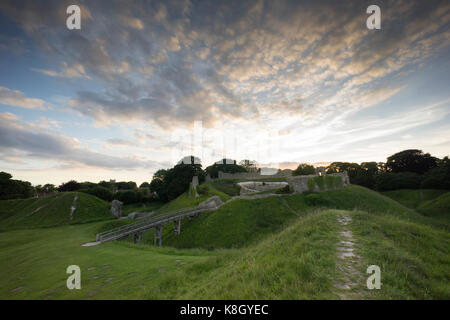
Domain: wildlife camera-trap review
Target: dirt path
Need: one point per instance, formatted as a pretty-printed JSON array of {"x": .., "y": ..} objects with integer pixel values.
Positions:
[{"x": 348, "y": 264}]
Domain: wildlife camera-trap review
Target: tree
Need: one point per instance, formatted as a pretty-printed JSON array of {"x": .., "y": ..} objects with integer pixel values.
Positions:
[
  {"x": 49, "y": 188},
  {"x": 71, "y": 185},
  {"x": 366, "y": 174},
  {"x": 169, "y": 184},
  {"x": 129, "y": 196},
  {"x": 439, "y": 177},
  {"x": 351, "y": 168},
  {"x": 160, "y": 174},
  {"x": 249, "y": 165},
  {"x": 304, "y": 169},
  {"x": 412, "y": 160},
  {"x": 144, "y": 185},
  {"x": 14, "y": 189},
  {"x": 130, "y": 185},
  {"x": 394, "y": 181},
  {"x": 5, "y": 176},
  {"x": 100, "y": 192},
  {"x": 213, "y": 170}
]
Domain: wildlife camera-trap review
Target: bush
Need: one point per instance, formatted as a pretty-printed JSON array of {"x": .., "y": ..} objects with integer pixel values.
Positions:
[
  {"x": 304, "y": 169},
  {"x": 333, "y": 182},
  {"x": 129, "y": 196},
  {"x": 100, "y": 192},
  {"x": 14, "y": 189},
  {"x": 202, "y": 189},
  {"x": 438, "y": 178},
  {"x": 401, "y": 180},
  {"x": 285, "y": 190},
  {"x": 311, "y": 184},
  {"x": 71, "y": 185},
  {"x": 314, "y": 199},
  {"x": 173, "y": 182}
]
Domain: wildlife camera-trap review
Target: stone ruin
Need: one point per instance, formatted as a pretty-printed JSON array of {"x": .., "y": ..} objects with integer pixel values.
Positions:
[
  {"x": 116, "y": 208},
  {"x": 192, "y": 193}
]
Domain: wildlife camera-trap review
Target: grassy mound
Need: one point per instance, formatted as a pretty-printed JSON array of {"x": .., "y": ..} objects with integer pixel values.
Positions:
[
  {"x": 184, "y": 201},
  {"x": 297, "y": 263},
  {"x": 52, "y": 211},
  {"x": 414, "y": 258},
  {"x": 413, "y": 198},
  {"x": 236, "y": 224},
  {"x": 438, "y": 207},
  {"x": 227, "y": 186},
  {"x": 240, "y": 222},
  {"x": 284, "y": 256}
]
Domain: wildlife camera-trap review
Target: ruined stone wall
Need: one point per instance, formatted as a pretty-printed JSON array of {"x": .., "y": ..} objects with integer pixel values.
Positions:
[
  {"x": 252, "y": 175},
  {"x": 316, "y": 183}
]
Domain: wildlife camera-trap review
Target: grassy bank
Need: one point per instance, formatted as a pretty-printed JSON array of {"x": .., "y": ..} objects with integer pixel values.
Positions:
[{"x": 54, "y": 210}]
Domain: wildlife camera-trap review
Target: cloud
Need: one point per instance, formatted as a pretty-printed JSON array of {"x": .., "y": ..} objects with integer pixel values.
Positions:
[
  {"x": 235, "y": 60},
  {"x": 121, "y": 142},
  {"x": 16, "y": 136},
  {"x": 66, "y": 71},
  {"x": 17, "y": 98}
]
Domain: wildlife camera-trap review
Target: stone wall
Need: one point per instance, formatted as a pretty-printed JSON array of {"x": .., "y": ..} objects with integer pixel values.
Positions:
[
  {"x": 253, "y": 175},
  {"x": 316, "y": 183}
]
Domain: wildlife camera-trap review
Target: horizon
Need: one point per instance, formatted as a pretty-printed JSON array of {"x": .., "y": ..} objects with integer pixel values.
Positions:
[{"x": 140, "y": 86}]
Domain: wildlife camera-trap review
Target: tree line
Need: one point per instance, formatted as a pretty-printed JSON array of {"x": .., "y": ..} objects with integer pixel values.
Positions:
[{"x": 408, "y": 169}]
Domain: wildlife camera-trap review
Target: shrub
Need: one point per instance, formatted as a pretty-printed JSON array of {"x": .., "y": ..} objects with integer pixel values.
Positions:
[
  {"x": 314, "y": 199},
  {"x": 333, "y": 182},
  {"x": 71, "y": 185},
  {"x": 100, "y": 192},
  {"x": 320, "y": 181},
  {"x": 202, "y": 189},
  {"x": 14, "y": 189},
  {"x": 304, "y": 169},
  {"x": 401, "y": 180},
  {"x": 129, "y": 196},
  {"x": 311, "y": 184},
  {"x": 285, "y": 190},
  {"x": 438, "y": 178}
]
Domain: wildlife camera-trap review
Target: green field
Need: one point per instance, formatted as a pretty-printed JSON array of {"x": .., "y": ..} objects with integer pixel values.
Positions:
[{"x": 279, "y": 247}]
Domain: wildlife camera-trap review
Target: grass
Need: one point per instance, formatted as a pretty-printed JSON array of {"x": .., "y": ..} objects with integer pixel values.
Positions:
[
  {"x": 279, "y": 248},
  {"x": 234, "y": 225},
  {"x": 414, "y": 258},
  {"x": 413, "y": 198},
  {"x": 227, "y": 186},
  {"x": 297, "y": 263},
  {"x": 438, "y": 207},
  {"x": 52, "y": 211},
  {"x": 37, "y": 260},
  {"x": 240, "y": 223},
  {"x": 141, "y": 207}
]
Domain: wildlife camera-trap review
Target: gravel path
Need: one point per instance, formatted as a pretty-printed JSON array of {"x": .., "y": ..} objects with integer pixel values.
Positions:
[{"x": 347, "y": 261}]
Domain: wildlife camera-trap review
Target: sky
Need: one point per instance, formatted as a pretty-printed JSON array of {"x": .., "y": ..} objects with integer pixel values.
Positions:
[{"x": 144, "y": 83}]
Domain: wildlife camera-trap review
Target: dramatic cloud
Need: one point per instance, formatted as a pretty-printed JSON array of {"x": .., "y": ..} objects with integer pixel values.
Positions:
[
  {"x": 176, "y": 62},
  {"x": 36, "y": 143},
  {"x": 272, "y": 81}
]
